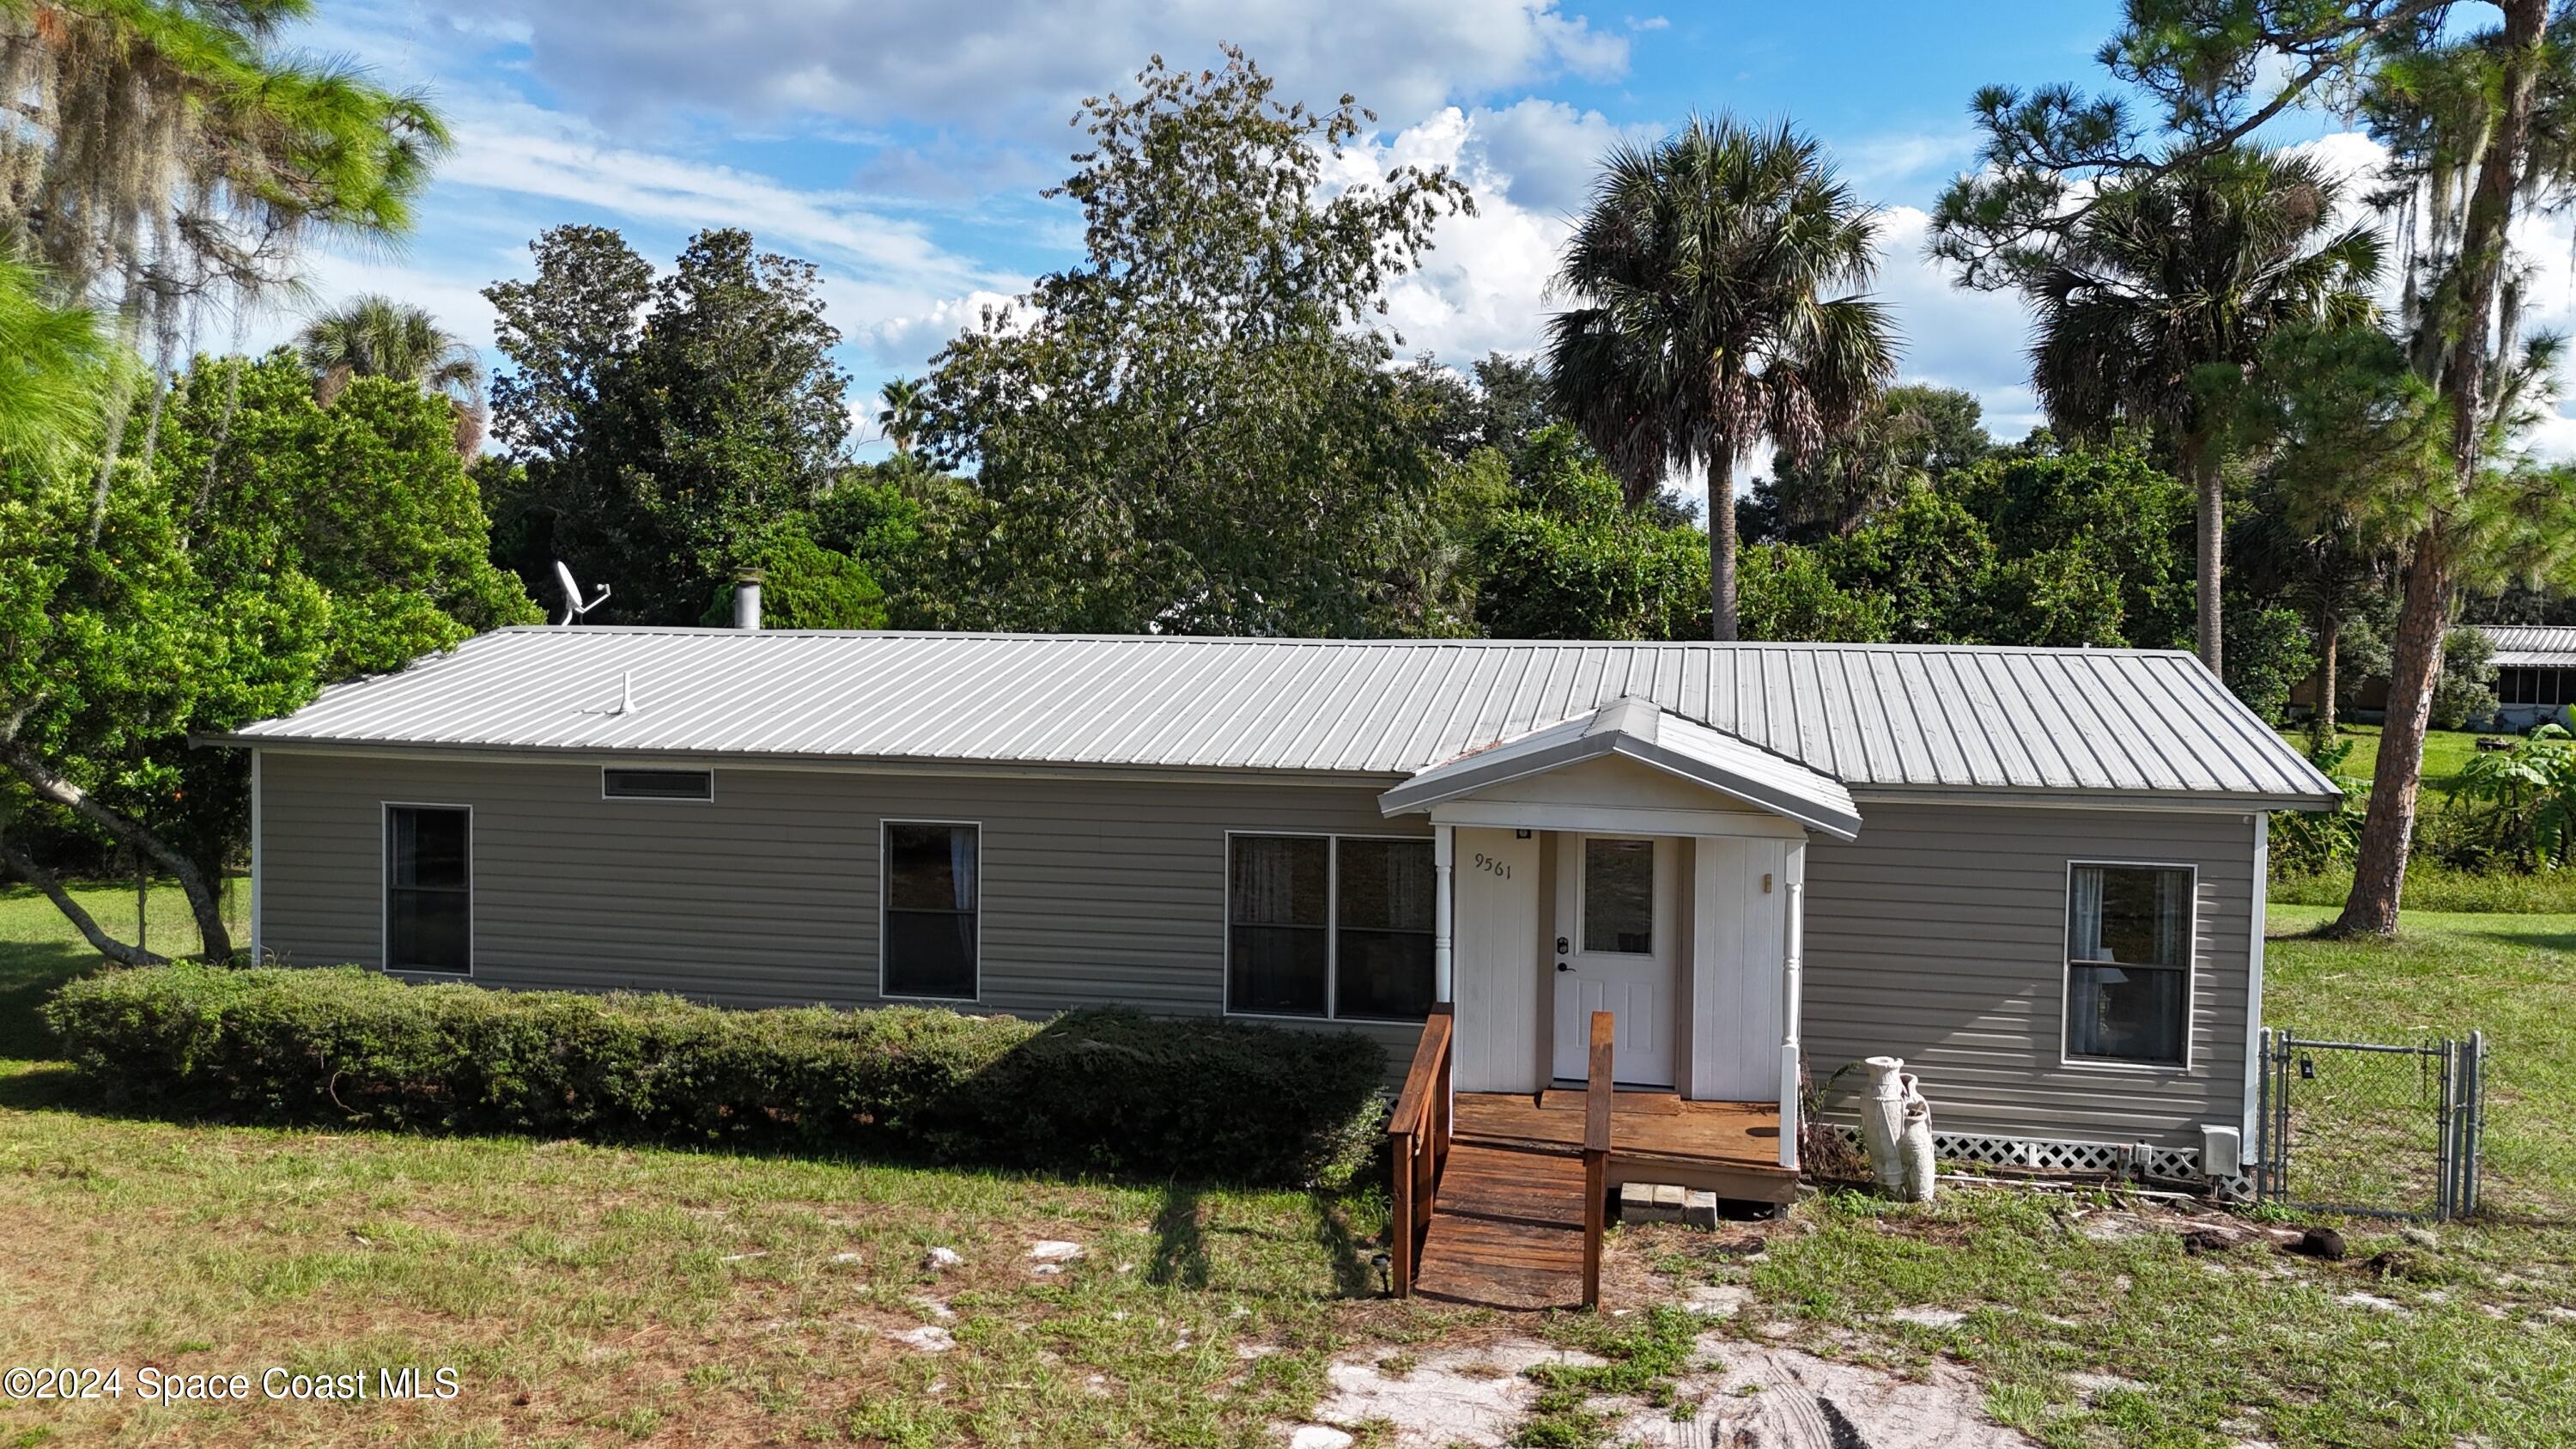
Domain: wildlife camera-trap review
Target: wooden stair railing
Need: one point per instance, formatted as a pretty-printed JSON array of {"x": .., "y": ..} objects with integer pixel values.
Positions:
[
  {"x": 1418, "y": 1135},
  {"x": 1596, "y": 1155}
]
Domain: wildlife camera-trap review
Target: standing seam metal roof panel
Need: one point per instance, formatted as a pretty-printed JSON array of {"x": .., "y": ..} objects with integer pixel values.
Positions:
[
  {"x": 2533, "y": 645},
  {"x": 1887, "y": 716}
]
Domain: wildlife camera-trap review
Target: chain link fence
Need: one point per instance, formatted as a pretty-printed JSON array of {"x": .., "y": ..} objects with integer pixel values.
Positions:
[{"x": 2372, "y": 1129}]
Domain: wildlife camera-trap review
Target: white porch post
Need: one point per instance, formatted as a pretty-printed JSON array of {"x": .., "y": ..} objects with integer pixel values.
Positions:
[
  {"x": 1444, "y": 844},
  {"x": 1790, "y": 993}
]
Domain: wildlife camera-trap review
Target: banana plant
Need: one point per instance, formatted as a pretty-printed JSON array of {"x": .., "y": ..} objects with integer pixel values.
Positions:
[{"x": 2532, "y": 791}]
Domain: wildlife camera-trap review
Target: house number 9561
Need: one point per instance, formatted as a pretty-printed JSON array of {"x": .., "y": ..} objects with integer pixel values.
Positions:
[{"x": 1491, "y": 866}]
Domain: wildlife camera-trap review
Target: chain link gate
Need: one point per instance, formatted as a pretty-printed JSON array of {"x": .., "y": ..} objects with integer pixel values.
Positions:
[{"x": 2370, "y": 1128}]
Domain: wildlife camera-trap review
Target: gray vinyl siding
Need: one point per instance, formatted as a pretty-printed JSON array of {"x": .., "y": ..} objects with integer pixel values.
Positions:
[
  {"x": 1939, "y": 936},
  {"x": 1092, "y": 892}
]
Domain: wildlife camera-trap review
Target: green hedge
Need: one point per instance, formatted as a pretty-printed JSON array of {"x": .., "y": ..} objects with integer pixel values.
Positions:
[{"x": 1106, "y": 1091}]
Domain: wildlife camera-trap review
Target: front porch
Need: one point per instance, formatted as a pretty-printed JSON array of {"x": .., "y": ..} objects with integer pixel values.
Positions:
[
  {"x": 1616, "y": 936},
  {"x": 1500, "y": 1198}
]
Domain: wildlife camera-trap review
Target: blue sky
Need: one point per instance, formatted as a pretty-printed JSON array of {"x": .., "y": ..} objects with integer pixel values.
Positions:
[{"x": 901, "y": 144}]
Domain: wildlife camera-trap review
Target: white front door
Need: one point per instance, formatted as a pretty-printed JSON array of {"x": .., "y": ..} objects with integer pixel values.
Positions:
[{"x": 1617, "y": 940}]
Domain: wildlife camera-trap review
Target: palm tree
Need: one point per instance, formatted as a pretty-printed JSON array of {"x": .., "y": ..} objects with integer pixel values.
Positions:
[
  {"x": 374, "y": 336},
  {"x": 1719, "y": 275},
  {"x": 2155, "y": 307},
  {"x": 905, "y": 399}
]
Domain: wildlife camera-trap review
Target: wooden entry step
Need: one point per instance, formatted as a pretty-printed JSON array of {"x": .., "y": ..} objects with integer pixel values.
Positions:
[{"x": 1507, "y": 1231}]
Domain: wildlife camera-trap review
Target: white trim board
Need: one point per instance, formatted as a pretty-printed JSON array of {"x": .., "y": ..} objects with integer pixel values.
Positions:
[
  {"x": 385, "y": 891},
  {"x": 2066, "y": 971},
  {"x": 885, "y": 889}
]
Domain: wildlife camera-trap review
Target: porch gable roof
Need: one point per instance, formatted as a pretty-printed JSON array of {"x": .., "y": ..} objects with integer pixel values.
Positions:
[{"x": 1645, "y": 732}]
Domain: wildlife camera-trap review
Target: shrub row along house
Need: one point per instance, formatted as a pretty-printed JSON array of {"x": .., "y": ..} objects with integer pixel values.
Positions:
[{"x": 2035, "y": 874}]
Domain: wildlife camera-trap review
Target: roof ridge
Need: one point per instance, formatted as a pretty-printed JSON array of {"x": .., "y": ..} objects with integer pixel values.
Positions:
[{"x": 1713, "y": 645}]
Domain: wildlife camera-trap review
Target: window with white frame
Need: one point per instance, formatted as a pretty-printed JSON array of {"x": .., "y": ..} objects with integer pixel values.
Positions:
[
  {"x": 928, "y": 939},
  {"x": 429, "y": 889},
  {"x": 1329, "y": 926},
  {"x": 2128, "y": 966}
]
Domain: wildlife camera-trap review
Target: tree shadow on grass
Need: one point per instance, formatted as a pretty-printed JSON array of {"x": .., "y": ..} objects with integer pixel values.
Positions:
[
  {"x": 1180, "y": 1238},
  {"x": 1353, "y": 1275},
  {"x": 30, "y": 972},
  {"x": 49, "y": 1088}
]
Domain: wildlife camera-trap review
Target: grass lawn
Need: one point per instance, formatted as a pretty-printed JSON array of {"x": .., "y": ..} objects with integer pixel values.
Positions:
[
  {"x": 2086, "y": 1331},
  {"x": 588, "y": 1294},
  {"x": 2446, "y": 753}
]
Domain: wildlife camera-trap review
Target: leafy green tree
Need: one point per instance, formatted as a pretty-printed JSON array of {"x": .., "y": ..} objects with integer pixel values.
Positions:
[
  {"x": 2063, "y": 597},
  {"x": 1713, "y": 273},
  {"x": 1193, "y": 430},
  {"x": 1566, "y": 558},
  {"x": 2154, "y": 305},
  {"x": 166, "y": 155},
  {"x": 2466, "y": 690},
  {"x": 1929, "y": 559},
  {"x": 2054, "y": 514},
  {"x": 2268, "y": 653},
  {"x": 805, "y": 586},
  {"x": 1908, "y": 435},
  {"x": 2473, "y": 105},
  {"x": 270, "y": 546},
  {"x": 376, "y": 336},
  {"x": 1790, "y": 593},
  {"x": 664, "y": 428}
]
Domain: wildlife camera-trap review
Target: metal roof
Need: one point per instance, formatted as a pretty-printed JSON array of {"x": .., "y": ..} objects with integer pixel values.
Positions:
[
  {"x": 2526, "y": 645},
  {"x": 1643, "y": 731},
  {"x": 1885, "y": 717}
]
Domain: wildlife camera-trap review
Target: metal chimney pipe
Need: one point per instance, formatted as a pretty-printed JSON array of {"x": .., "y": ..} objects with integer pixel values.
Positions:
[{"x": 746, "y": 600}]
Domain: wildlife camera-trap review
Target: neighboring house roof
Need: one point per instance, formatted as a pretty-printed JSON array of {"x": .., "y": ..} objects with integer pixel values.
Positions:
[
  {"x": 1888, "y": 718},
  {"x": 1642, "y": 731},
  {"x": 2529, "y": 645}
]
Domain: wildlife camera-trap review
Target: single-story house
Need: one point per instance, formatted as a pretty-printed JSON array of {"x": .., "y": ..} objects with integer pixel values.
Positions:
[
  {"x": 2535, "y": 672},
  {"x": 2036, "y": 874},
  {"x": 2535, "y": 679}
]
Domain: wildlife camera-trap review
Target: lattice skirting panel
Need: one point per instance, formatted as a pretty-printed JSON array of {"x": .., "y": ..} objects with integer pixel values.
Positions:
[{"x": 2173, "y": 1164}]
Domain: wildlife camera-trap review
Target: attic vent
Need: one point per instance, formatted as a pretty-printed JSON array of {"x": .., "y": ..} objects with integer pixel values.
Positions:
[{"x": 615, "y": 784}]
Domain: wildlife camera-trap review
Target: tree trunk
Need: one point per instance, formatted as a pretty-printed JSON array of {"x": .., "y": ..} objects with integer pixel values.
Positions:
[
  {"x": 2388, "y": 829},
  {"x": 1721, "y": 541},
  {"x": 99, "y": 940},
  {"x": 215, "y": 941},
  {"x": 2329, "y": 638},
  {"x": 2379, "y": 871},
  {"x": 2212, "y": 529}
]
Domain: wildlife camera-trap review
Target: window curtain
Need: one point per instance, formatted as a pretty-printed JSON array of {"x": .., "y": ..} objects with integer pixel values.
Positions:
[
  {"x": 961, "y": 865},
  {"x": 1410, "y": 878},
  {"x": 2173, "y": 913},
  {"x": 1266, "y": 880},
  {"x": 2086, "y": 931}
]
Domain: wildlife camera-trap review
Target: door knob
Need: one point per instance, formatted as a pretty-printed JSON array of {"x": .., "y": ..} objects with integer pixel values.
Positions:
[{"x": 1561, "y": 966}]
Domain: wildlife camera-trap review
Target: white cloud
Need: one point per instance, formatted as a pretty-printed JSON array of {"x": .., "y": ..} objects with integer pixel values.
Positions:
[
  {"x": 1545, "y": 153},
  {"x": 907, "y": 341},
  {"x": 1016, "y": 68}
]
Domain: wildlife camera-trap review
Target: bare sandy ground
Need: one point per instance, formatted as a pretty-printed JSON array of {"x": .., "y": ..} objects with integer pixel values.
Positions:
[{"x": 1756, "y": 1396}]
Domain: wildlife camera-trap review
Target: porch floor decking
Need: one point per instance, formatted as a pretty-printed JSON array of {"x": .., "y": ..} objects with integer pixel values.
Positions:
[{"x": 1730, "y": 1148}]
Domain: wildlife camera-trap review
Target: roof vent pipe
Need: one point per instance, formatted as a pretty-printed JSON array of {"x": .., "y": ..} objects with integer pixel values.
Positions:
[{"x": 746, "y": 600}]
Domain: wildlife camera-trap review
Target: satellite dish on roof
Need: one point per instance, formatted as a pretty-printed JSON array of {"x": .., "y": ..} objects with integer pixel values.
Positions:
[{"x": 574, "y": 608}]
